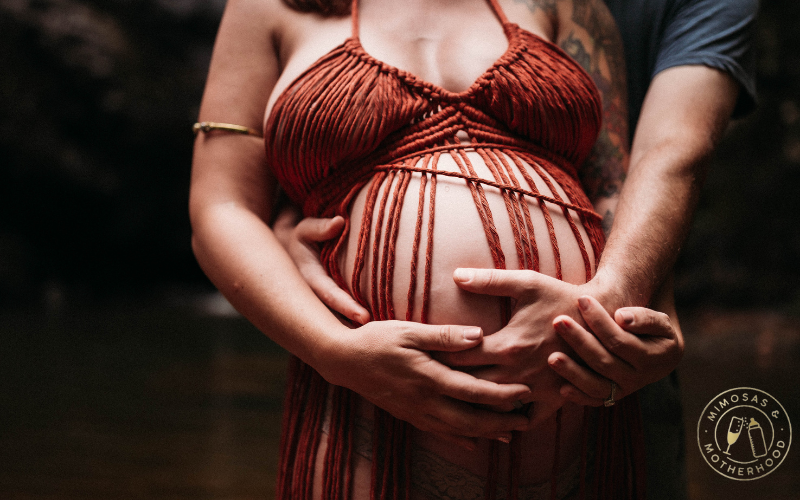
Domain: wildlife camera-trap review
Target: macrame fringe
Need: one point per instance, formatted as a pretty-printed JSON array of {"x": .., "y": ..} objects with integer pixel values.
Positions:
[{"x": 417, "y": 123}]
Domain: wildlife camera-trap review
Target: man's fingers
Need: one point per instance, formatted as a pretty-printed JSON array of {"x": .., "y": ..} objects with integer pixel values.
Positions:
[
  {"x": 464, "y": 387},
  {"x": 590, "y": 350},
  {"x": 285, "y": 223},
  {"x": 618, "y": 341},
  {"x": 643, "y": 321},
  {"x": 587, "y": 382},
  {"x": 500, "y": 282},
  {"x": 575, "y": 395},
  {"x": 312, "y": 229},
  {"x": 332, "y": 296},
  {"x": 469, "y": 358},
  {"x": 476, "y": 422},
  {"x": 468, "y": 444}
]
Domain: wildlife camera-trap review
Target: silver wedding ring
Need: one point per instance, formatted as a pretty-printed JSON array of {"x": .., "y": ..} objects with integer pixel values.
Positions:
[{"x": 610, "y": 401}]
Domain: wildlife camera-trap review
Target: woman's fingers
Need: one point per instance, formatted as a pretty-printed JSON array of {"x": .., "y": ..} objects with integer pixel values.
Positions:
[{"x": 441, "y": 337}]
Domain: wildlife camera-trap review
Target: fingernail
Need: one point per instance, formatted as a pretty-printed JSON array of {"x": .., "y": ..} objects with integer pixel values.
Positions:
[
  {"x": 463, "y": 275},
  {"x": 561, "y": 326},
  {"x": 358, "y": 317},
  {"x": 627, "y": 317},
  {"x": 471, "y": 333},
  {"x": 583, "y": 303}
]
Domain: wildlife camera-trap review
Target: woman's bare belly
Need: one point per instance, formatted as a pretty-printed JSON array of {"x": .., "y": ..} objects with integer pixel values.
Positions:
[{"x": 459, "y": 240}]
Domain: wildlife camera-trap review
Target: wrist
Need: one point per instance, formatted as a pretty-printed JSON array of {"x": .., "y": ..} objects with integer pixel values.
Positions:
[
  {"x": 328, "y": 353},
  {"x": 613, "y": 291}
]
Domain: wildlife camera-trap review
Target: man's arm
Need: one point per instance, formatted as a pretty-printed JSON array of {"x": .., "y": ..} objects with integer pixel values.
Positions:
[{"x": 683, "y": 117}]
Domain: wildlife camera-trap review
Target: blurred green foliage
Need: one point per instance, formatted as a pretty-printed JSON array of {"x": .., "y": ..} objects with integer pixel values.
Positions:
[{"x": 96, "y": 102}]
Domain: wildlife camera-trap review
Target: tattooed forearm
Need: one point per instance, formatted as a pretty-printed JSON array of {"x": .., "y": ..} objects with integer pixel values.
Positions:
[
  {"x": 608, "y": 222},
  {"x": 607, "y": 42},
  {"x": 549, "y": 6},
  {"x": 598, "y": 49},
  {"x": 604, "y": 172}
]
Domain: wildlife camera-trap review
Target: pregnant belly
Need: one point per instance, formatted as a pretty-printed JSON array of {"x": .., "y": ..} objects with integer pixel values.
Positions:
[{"x": 403, "y": 248}]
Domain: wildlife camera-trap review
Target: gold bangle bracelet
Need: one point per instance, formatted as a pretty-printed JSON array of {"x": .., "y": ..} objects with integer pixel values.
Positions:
[{"x": 227, "y": 127}]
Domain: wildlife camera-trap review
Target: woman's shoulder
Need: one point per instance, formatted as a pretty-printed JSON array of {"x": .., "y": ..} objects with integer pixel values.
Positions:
[{"x": 265, "y": 14}]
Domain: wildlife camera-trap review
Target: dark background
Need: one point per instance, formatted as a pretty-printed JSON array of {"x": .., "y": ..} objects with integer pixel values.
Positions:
[{"x": 124, "y": 372}]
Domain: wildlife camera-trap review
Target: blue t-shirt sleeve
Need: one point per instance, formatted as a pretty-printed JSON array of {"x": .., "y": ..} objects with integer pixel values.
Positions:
[{"x": 714, "y": 33}]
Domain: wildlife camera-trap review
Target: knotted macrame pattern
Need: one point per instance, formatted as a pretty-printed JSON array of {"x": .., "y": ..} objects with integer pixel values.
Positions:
[{"x": 351, "y": 122}]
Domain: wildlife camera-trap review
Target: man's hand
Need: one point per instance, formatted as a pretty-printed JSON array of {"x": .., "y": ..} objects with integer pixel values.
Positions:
[
  {"x": 636, "y": 347},
  {"x": 300, "y": 241},
  {"x": 519, "y": 351}
]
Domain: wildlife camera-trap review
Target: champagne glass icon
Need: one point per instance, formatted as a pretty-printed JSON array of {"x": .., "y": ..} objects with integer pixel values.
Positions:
[{"x": 734, "y": 430}]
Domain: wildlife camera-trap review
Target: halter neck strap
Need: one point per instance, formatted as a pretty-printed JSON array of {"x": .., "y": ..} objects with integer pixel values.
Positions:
[
  {"x": 498, "y": 11},
  {"x": 354, "y": 17}
]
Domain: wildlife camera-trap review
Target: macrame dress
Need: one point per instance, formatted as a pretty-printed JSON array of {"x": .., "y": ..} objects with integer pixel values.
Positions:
[{"x": 351, "y": 122}]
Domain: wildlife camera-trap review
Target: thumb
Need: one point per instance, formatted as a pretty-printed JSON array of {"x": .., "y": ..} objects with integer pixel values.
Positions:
[
  {"x": 449, "y": 338},
  {"x": 644, "y": 321},
  {"x": 313, "y": 229}
]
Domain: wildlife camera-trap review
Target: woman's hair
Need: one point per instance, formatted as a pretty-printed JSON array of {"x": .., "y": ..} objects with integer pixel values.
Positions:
[{"x": 324, "y": 7}]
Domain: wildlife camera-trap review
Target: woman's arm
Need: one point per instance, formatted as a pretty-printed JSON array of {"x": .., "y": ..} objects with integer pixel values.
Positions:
[{"x": 232, "y": 191}]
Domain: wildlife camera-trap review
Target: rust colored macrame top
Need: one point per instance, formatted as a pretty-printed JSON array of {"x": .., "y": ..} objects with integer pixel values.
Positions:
[
  {"x": 349, "y": 112},
  {"x": 351, "y": 122}
]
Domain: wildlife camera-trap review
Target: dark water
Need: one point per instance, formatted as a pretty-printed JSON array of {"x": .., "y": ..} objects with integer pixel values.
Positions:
[{"x": 181, "y": 399}]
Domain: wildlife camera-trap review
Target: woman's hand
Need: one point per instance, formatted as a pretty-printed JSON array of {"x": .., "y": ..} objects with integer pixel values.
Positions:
[
  {"x": 387, "y": 362},
  {"x": 636, "y": 347}
]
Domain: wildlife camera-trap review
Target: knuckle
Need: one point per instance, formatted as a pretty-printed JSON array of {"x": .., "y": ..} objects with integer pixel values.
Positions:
[
  {"x": 471, "y": 394},
  {"x": 615, "y": 344},
  {"x": 491, "y": 277},
  {"x": 605, "y": 363},
  {"x": 302, "y": 228},
  {"x": 444, "y": 335},
  {"x": 664, "y": 321}
]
